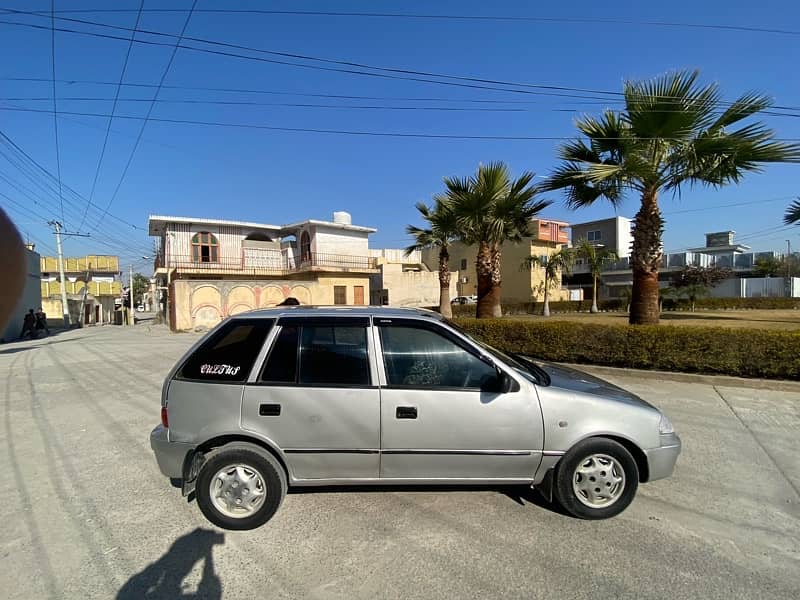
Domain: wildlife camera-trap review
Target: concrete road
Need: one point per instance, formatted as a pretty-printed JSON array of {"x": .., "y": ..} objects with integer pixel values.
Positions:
[{"x": 86, "y": 514}]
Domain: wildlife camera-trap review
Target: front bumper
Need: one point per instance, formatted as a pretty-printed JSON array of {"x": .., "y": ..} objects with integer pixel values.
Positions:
[
  {"x": 170, "y": 456},
  {"x": 661, "y": 461}
]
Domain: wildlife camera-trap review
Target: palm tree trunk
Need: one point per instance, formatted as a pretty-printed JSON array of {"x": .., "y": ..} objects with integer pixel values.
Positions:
[
  {"x": 546, "y": 307},
  {"x": 444, "y": 284},
  {"x": 487, "y": 266},
  {"x": 645, "y": 259},
  {"x": 594, "y": 308}
]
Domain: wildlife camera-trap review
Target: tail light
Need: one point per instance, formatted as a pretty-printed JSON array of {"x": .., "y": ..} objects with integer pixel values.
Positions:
[{"x": 164, "y": 417}]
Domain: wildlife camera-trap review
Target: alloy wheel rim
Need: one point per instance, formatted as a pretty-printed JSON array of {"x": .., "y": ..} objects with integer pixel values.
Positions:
[
  {"x": 237, "y": 491},
  {"x": 598, "y": 481}
]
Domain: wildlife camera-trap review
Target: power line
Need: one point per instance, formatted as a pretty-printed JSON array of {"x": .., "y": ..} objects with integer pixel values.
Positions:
[
  {"x": 111, "y": 118},
  {"x": 55, "y": 107},
  {"x": 462, "y": 17},
  {"x": 4, "y": 139},
  {"x": 311, "y": 95},
  {"x": 394, "y": 134},
  {"x": 385, "y": 72},
  {"x": 691, "y": 210},
  {"x": 349, "y": 71},
  {"x": 147, "y": 116},
  {"x": 338, "y": 106}
]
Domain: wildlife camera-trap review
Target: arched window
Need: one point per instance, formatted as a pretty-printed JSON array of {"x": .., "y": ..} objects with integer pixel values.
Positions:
[
  {"x": 205, "y": 247},
  {"x": 305, "y": 247}
]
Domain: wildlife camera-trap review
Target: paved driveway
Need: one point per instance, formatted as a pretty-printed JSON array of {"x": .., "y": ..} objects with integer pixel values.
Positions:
[{"x": 86, "y": 514}]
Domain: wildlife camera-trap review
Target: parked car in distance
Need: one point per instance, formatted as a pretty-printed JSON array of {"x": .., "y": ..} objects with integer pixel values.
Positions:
[
  {"x": 316, "y": 396},
  {"x": 464, "y": 300}
]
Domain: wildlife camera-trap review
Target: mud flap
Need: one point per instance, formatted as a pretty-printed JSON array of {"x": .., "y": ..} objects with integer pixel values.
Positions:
[
  {"x": 191, "y": 468},
  {"x": 545, "y": 487}
]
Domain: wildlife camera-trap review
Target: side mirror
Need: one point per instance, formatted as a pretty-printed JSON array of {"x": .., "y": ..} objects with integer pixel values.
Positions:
[{"x": 505, "y": 383}]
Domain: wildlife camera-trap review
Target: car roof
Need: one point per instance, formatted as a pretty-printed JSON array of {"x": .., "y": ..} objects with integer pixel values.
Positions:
[{"x": 340, "y": 311}]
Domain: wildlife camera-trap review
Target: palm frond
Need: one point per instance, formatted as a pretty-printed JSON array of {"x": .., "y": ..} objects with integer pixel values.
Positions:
[
  {"x": 745, "y": 106},
  {"x": 671, "y": 107},
  {"x": 792, "y": 215}
]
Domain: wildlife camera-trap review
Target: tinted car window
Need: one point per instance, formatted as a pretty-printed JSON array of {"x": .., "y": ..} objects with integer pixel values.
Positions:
[
  {"x": 281, "y": 365},
  {"x": 333, "y": 355},
  {"x": 229, "y": 354},
  {"x": 419, "y": 357}
]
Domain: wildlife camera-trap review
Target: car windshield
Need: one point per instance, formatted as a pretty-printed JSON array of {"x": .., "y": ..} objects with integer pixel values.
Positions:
[{"x": 519, "y": 363}]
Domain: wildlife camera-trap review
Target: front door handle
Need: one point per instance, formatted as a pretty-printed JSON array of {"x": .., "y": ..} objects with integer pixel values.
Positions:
[{"x": 406, "y": 412}]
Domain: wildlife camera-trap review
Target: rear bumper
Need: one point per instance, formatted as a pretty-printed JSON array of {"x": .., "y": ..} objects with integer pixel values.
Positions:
[
  {"x": 170, "y": 456},
  {"x": 661, "y": 461}
]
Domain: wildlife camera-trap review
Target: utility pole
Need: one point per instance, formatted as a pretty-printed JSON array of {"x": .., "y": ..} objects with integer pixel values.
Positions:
[
  {"x": 64, "y": 306},
  {"x": 131, "y": 318}
]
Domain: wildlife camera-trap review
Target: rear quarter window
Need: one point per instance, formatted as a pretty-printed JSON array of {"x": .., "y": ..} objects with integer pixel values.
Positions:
[{"x": 229, "y": 353}]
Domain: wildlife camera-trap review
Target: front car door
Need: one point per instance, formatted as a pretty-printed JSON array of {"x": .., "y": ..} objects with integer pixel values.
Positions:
[
  {"x": 316, "y": 397},
  {"x": 440, "y": 418}
]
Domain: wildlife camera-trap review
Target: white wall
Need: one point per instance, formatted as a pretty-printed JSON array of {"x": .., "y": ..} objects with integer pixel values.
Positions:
[
  {"x": 329, "y": 240},
  {"x": 412, "y": 288},
  {"x": 624, "y": 237},
  {"x": 179, "y": 241},
  {"x": 755, "y": 287}
]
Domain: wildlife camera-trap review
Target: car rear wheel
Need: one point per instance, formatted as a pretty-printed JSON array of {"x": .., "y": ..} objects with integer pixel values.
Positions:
[
  {"x": 240, "y": 487},
  {"x": 596, "y": 479}
]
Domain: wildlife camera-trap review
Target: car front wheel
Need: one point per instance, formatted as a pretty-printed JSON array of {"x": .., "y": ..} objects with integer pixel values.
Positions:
[
  {"x": 596, "y": 479},
  {"x": 240, "y": 487}
]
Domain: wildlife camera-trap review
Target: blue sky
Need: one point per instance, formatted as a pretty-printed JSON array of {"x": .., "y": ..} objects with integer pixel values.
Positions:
[{"x": 281, "y": 177}]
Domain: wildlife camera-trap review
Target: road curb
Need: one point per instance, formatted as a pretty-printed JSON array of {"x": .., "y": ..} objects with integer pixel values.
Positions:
[{"x": 780, "y": 385}]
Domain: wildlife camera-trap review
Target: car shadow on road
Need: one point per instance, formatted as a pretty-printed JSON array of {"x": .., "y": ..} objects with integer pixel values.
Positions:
[
  {"x": 519, "y": 494},
  {"x": 163, "y": 579}
]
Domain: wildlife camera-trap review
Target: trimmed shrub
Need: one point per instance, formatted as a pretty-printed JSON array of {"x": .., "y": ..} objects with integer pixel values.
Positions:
[{"x": 718, "y": 351}]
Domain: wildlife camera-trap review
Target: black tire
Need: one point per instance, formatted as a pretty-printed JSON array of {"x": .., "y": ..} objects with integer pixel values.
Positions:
[
  {"x": 575, "y": 502},
  {"x": 251, "y": 457}
]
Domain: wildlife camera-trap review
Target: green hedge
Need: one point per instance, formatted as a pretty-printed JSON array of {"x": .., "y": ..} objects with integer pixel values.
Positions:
[
  {"x": 619, "y": 304},
  {"x": 742, "y": 353}
]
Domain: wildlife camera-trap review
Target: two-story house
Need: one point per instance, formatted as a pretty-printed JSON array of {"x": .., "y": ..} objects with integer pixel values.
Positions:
[
  {"x": 519, "y": 284},
  {"x": 91, "y": 284},
  {"x": 208, "y": 269}
]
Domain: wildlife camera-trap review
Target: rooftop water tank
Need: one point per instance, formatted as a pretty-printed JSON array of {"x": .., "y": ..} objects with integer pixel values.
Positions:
[{"x": 342, "y": 218}]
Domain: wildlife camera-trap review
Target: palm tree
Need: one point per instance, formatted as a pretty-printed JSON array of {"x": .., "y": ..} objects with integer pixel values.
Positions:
[
  {"x": 491, "y": 209},
  {"x": 557, "y": 264},
  {"x": 440, "y": 234},
  {"x": 670, "y": 133},
  {"x": 596, "y": 257},
  {"x": 792, "y": 213}
]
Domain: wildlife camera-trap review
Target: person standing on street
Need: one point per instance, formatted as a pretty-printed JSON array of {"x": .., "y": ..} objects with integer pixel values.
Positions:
[
  {"x": 41, "y": 321},
  {"x": 27, "y": 324}
]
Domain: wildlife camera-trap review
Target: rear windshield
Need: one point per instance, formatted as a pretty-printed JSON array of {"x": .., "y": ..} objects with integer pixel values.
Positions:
[{"x": 229, "y": 354}]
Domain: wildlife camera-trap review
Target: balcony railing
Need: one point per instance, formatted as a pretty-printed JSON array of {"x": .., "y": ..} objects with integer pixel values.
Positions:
[{"x": 269, "y": 262}]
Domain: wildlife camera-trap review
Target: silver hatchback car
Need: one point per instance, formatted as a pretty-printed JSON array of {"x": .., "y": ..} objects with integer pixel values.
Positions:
[{"x": 315, "y": 396}]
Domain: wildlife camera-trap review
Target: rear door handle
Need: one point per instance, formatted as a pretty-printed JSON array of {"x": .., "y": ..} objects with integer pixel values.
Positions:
[
  {"x": 406, "y": 412},
  {"x": 269, "y": 410}
]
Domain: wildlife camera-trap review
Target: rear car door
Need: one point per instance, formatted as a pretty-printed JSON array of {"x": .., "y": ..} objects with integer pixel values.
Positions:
[
  {"x": 441, "y": 418},
  {"x": 316, "y": 397},
  {"x": 205, "y": 394}
]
